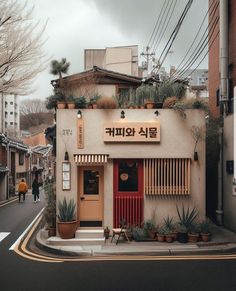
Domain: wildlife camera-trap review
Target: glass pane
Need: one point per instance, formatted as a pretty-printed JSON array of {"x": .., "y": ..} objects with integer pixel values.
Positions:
[
  {"x": 128, "y": 176},
  {"x": 91, "y": 182}
]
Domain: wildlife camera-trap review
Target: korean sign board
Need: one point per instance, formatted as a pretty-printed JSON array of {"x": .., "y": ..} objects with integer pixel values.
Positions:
[{"x": 132, "y": 132}]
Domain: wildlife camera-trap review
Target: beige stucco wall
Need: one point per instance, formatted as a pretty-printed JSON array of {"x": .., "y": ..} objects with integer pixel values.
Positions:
[
  {"x": 229, "y": 201},
  {"x": 89, "y": 90},
  {"x": 176, "y": 142},
  {"x": 122, "y": 59}
]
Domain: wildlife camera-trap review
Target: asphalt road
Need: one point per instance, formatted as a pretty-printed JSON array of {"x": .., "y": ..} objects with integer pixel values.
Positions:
[{"x": 19, "y": 273}]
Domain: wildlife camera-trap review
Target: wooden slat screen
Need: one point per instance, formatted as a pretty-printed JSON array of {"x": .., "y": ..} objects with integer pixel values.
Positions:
[{"x": 167, "y": 176}]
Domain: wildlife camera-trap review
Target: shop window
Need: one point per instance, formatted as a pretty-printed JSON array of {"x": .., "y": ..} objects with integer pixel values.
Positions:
[
  {"x": 91, "y": 182},
  {"x": 128, "y": 176},
  {"x": 167, "y": 176},
  {"x": 21, "y": 159}
]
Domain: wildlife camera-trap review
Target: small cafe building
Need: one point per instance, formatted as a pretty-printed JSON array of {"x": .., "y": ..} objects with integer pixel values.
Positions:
[{"x": 129, "y": 164}]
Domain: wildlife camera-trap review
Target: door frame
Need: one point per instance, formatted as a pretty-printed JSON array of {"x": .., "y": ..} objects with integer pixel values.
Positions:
[{"x": 99, "y": 198}]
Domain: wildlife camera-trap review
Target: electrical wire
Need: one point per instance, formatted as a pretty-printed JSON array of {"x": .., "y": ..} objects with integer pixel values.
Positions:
[
  {"x": 202, "y": 44},
  {"x": 165, "y": 24},
  {"x": 210, "y": 10},
  {"x": 174, "y": 33},
  {"x": 159, "y": 18}
]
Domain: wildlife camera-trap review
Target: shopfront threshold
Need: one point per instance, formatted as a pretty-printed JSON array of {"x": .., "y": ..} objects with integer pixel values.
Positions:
[{"x": 223, "y": 241}]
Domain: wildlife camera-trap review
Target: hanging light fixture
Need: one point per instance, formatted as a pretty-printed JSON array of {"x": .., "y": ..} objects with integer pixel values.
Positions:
[
  {"x": 79, "y": 114},
  {"x": 122, "y": 114}
]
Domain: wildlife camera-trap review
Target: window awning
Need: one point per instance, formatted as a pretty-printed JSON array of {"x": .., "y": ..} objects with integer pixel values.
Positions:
[{"x": 91, "y": 159}]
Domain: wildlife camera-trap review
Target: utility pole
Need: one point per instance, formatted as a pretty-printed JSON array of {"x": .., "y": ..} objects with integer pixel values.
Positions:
[{"x": 148, "y": 56}]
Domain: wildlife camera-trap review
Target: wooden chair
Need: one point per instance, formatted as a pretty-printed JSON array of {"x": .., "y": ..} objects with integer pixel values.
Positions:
[{"x": 120, "y": 232}]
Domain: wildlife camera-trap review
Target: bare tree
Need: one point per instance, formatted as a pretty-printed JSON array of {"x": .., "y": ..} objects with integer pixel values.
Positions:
[
  {"x": 30, "y": 106},
  {"x": 21, "y": 42}
]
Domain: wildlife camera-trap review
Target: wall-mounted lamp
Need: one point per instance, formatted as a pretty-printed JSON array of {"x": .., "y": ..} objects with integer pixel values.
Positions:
[
  {"x": 122, "y": 114},
  {"x": 66, "y": 157},
  {"x": 79, "y": 114},
  {"x": 156, "y": 113}
]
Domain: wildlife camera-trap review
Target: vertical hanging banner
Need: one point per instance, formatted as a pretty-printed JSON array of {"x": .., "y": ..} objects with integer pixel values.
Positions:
[{"x": 80, "y": 133}]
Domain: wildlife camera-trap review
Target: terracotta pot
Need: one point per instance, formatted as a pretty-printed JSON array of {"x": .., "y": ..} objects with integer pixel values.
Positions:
[
  {"x": 71, "y": 105},
  {"x": 205, "y": 237},
  {"x": 193, "y": 238},
  {"x": 175, "y": 235},
  {"x": 95, "y": 106},
  {"x": 61, "y": 105},
  {"x": 149, "y": 105},
  {"x": 152, "y": 234},
  {"x": 169, "y": 238},
  {"x": 160, "y": 237},
  {"x": 67, "y": 230}
]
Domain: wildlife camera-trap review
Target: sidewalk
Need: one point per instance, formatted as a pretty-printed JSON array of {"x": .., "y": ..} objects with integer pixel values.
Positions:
[{"x": 223, "y": 242}]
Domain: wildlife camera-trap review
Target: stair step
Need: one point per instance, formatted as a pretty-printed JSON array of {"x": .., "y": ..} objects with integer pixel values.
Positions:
[
  {"x": 54, "y": 240},
  {"x": 89, "y": 233}
]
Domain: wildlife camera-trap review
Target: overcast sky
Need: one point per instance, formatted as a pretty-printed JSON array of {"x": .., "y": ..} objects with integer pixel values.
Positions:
[{"x": 75, "y": 25}]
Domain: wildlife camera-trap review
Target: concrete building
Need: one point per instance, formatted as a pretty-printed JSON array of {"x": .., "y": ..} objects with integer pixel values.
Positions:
[
  {"x": 10, "y": 115},
  {"x": 129, "y": 166},
  {"x": 222, "y": 83},
  {"x": 121, "y": 59}
]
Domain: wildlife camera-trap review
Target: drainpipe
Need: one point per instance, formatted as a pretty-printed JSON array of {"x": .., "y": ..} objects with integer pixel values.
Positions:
[{"x": 223, "y": 101}]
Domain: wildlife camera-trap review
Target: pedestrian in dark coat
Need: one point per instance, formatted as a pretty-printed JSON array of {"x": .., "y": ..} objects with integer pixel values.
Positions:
[{"x": 35, "y": 190}]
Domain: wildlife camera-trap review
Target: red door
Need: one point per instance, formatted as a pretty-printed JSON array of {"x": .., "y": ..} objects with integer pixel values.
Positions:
[{"x": 128, "y": 191}]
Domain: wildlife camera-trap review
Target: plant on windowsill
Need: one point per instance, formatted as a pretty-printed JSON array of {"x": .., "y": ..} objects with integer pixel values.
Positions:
[{"x": 67, "y": 222}]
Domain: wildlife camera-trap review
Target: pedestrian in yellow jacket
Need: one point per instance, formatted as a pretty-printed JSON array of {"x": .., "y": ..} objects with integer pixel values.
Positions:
[{"x": 22, "y": 189}]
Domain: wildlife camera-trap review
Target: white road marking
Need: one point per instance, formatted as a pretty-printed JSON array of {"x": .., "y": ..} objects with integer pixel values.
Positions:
[
  {"x": 23, "y": 234},
  {"x": 3, "y": 235}
]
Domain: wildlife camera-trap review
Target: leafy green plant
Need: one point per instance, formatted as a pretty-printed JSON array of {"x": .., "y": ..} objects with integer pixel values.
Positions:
[
  {"x": 80, "y": 102},
  {"x": 94, "y": 98},
  {"x": 205, "y": 226},
  {"x": 168, "y": 223},
  {"x": 161, "y": 230},
  {"x": 51, "y": 101},
  {"x": 187, "y": 217},
  {"x": 71, "y": 98},
  {"x": 146, "y": 92},
  {"x": 50, "y": 209},
  {"x": 66, "y": 210},
  {"x": 139, "y": 233}
]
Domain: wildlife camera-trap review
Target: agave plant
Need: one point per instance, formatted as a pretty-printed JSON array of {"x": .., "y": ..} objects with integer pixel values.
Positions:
[
  {"x": 187, "y": 217},
  {"x": 66, "y": 210},
  {"x": 168, "y": 223}
]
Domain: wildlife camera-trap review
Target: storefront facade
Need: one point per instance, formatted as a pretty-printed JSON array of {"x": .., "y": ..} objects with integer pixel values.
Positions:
[{"x": 129, "y": 165}]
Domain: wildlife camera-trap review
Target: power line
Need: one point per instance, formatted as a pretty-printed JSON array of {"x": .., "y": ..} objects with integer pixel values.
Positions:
[
  {"x": 174, "y": 33},
  {"x": 202, "y": 43},
  {"x": 157, "y": 22},
  {"x": 167, "y": 21},
  {"x": 211, "y": 10},
  {"x": 203, "y": 46}
]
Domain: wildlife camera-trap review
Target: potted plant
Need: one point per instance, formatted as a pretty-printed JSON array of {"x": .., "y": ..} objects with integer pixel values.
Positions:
[
  {"x": 169, "y": 227},
  {"x": 94, "y": 99},
  {"x": 193, "y": 233},
  {"x": 70, "y": 100},
  {"x": 186, "y": 219},
  {"x": 80, "y": 102},
  {"x": 107, "y": 103},
  {"x": 161, "y": 234},
  {"x": 149, "y": 226},
  {"x": 205, "y": 230},
  {"x": 106, "y": 232},
  {"x": 147, "y": 94},
  {"x": 50, "y": 208},
  {"x": 67, "y": 222}
]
